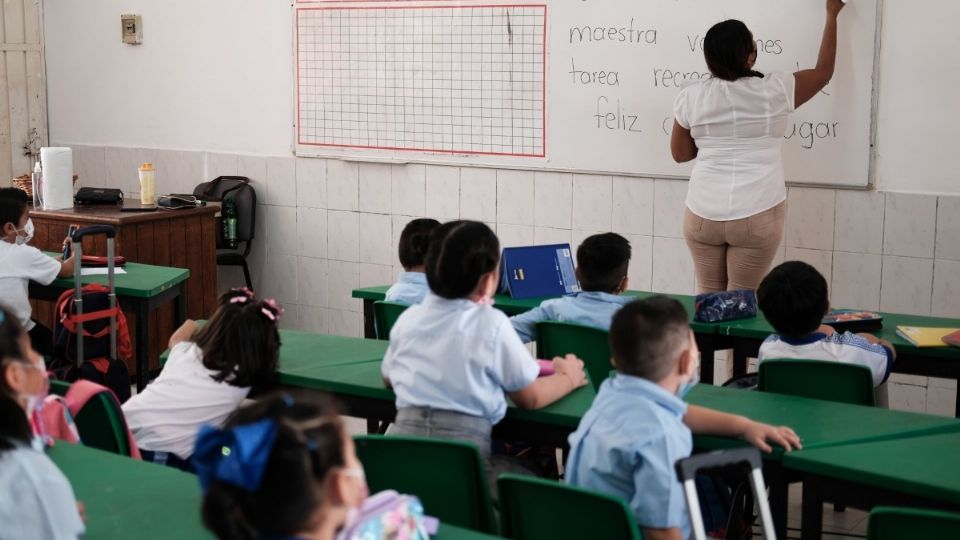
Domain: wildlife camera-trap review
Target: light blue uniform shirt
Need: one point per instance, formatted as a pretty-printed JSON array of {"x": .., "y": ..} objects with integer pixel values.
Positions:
[
  {"x": 626, "y": 445},
  {"x": 594, "y": 309},
  {"x": 456, "y": 355},
  {"x": 410, "y": 288},
  {"x": 37, "y": 500}
]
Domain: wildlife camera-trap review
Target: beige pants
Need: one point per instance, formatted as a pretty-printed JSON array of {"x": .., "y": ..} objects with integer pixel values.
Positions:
[{"x": 735, "y": 254}]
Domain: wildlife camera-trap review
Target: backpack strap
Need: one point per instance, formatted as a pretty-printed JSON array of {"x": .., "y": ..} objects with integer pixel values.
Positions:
[
  {"x": 82, "y": 391},
  {"x": 53, "y": 421}
]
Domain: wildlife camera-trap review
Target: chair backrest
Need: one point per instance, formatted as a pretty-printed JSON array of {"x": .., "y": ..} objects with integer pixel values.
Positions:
[
  {"x": 817, "y": 379},
  {"x": 887, "y": 523},
  {"x": 100, "y": 419},
  {"x": 385, "y": 314},
  {"x": 537, "y": 509},
  {"x": 447, "y": 476},
  {"x": 592, "y": 345},
  {"x": 244, "y": 196}
]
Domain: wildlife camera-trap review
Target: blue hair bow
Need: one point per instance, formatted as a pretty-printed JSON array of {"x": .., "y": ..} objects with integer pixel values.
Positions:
[{"x": 237, "y": 456}]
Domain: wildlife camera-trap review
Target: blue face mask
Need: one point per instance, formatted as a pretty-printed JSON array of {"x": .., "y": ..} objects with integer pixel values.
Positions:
[{"x": 686, "y": 387}]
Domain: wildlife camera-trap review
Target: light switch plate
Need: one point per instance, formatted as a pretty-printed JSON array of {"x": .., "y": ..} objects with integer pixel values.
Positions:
[{"x": 131, "y": 29}]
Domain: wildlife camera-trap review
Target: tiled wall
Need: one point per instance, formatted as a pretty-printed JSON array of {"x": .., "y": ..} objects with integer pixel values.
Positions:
[{"x": 328, "y": 226}]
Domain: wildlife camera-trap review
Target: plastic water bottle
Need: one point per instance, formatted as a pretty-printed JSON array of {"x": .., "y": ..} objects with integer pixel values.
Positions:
[
  {"x": 230, "y": 222},
  {"x": 36, "y": 181}
]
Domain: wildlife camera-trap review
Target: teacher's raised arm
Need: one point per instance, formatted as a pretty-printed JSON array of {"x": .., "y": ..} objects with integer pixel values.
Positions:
[
  {"x": 733, "y": 124},
  {"x": 811, "y": 81}
]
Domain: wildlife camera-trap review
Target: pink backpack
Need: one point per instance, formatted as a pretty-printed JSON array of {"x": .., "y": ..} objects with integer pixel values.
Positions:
[{"x": 53, "y": 420}]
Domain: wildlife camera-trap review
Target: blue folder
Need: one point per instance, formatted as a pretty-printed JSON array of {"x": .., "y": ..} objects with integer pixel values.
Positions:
[{"x": 538, "y": 271}]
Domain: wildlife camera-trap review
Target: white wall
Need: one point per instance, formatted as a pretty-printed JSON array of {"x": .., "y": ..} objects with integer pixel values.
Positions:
[{"x": 201, "y": 105}]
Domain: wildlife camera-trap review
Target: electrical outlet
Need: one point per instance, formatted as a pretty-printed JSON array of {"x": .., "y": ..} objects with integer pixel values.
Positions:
[{"x": 131, "y": 29}]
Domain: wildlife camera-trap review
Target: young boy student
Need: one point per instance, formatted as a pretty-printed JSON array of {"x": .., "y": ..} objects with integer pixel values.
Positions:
[
  {"x": 411, "y": 285},
  {"x": 21, "y": 263},
  {"x": 639, "y": 426},
  {"x": 602, "y": 263},
  {"x": 793, "y": 298}
]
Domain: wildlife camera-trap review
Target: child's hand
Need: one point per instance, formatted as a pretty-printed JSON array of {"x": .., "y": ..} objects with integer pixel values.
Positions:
[
  {"x": 82, "y": 511},
  {"x": 571, "y": 367},
  {"x": 759, "y": 434},
  {"x": 826, "y": 329}
]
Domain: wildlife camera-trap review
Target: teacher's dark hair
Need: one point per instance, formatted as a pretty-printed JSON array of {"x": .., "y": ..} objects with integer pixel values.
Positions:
[
  {"x": 460, "y": 253},
  {"x": 727, "y": 47}
]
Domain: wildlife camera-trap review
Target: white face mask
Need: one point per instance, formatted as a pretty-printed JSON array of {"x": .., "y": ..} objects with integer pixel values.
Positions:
[{"x": 27, "y": 231}]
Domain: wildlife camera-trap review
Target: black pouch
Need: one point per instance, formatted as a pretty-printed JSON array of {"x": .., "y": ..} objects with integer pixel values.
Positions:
[{"x": 91, "y": 195}]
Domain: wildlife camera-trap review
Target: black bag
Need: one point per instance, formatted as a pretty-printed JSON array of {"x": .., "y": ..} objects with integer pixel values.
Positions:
[
  {"x": 243, "y": 196},
  {"x": 90, "y": 195},
  {"x": 176, "y": 201}
]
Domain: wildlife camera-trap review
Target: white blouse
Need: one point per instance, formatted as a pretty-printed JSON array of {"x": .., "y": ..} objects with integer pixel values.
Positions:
[{"x": 738, "y": 127}]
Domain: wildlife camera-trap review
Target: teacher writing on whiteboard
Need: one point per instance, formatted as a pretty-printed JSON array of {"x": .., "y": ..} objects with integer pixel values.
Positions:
[{"x": 733, "y": 125}]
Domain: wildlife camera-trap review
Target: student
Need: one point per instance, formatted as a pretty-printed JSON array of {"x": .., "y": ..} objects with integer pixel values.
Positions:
[
  {"x": 37, "y": 500},
  {"x": 21, "y": 263},
  {"x": 411, "y": 285},
  {"x": 210, "y": 371},
  {"x": 793, "y": 298},
  {"x": 602, "y": 263},
  {"x": 303, "y": 481},
  {"x": 639, "y": 426},
  {"x": 453, "y": 357}
]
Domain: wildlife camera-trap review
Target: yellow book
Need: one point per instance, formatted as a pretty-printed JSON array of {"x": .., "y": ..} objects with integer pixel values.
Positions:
[{"x": 923, "y": 336}]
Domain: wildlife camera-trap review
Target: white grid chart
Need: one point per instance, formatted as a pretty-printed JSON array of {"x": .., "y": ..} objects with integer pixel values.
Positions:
[{"x": 455, "y": 79}]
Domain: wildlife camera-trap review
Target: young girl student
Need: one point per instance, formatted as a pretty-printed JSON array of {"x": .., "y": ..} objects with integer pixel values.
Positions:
[
  {"x": 411, "y": 285},
  {"x": 300, "y": 479},
  {"x": 37, "y": 500},
  {"x": 209, "y": 372},
  {"x": 453, "y": 358}
]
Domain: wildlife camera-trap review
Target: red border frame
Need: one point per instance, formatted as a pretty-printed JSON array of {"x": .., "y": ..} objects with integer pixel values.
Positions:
[{"x": 543, "y": 115}]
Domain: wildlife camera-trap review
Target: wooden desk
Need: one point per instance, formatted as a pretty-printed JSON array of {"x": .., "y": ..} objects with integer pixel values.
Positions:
[{"x": 182, "y": 239}]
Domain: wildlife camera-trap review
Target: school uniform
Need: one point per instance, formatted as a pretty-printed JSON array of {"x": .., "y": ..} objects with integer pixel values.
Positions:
[
  {"x": 626, "y": 446},
  {"x": 410, "y": 288},
  {"x": 591, "y": 308},
  {"x": 19, "y": 265},
  {"x": 38, "y": 501},
  {"x": 450, "y": 363},
  {"x": 165, "y": 417},
  {"x": 846, "y": 347}
]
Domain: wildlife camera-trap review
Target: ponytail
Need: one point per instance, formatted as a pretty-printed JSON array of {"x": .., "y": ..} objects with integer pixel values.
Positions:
[
  {"x": 726, "y": 48},
  {"x": 460, "y": 253}
]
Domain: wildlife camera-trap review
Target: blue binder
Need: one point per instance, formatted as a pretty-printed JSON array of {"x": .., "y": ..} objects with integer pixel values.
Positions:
[{"x": 538, "y": 271}]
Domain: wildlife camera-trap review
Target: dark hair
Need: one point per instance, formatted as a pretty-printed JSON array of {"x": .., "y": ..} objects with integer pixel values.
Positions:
[
  {"x": 646, "y": 334},
  {"x": 793, "y": 298},
  {"x": 310, "y": 442},
  {"x": 726, "y": 47},
  {"x": 13, "y": 204},
  {"x": 460, "y": 253},
  {"x": 14, "y": 427},
  {"x": 241, "y": 342},
  {"x": 415, "y": 241},
  {"x": 603, "y": 261}
]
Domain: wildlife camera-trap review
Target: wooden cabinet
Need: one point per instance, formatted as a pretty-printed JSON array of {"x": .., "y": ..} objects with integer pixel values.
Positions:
[{"x": 180, "y": 238}]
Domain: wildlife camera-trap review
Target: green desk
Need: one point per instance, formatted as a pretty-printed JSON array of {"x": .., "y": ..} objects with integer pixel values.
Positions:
[
  {"x": 125, "y": 498},
  {"x": 917, "y": 471},
  {"x": 746, "y": 336},
  {"x": 142, "y": 289},
  {"x": 708, "y": 339}
]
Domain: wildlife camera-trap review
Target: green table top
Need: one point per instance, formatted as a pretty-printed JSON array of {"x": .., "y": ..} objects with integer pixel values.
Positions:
[
  {"x": 364, "y": 380},
  {"x": 140, "y": 280},
  {"x": 126, "y": 498},
  {"x": 512, "y": 306},
  {"x": 758, "y": 328},
  {"x": 927, "y": 466},
  {"x": 818, "y": 423}
]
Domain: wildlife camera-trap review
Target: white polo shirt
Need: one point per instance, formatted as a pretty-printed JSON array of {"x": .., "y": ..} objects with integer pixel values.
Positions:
[
  {"x": 846, "y": 347},
  {"x": 20, "y": 264},
  {"x": 738, "y": 127},
  {"x": 456, "y": 355}
]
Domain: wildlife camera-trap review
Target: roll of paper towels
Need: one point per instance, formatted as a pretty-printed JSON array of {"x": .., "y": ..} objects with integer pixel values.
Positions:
[{"x": 57, "y": 164}]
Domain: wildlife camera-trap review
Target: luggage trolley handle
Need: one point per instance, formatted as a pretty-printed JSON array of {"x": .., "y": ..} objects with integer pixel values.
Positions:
[
  {"x": 77, "y": 241},
  {"x": 687, "y": 470}
]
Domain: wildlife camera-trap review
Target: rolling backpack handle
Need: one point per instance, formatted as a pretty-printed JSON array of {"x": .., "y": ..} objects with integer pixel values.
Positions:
[
  {"x": 77, "y": 242},
  {"x": 688, "y": 468}
]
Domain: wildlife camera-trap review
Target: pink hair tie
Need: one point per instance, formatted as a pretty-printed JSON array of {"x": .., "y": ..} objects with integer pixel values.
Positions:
[
  {"x": 247, "y": 295},
  {"x": 239, "y": 300},
  {"x": 272, "y": 309}
]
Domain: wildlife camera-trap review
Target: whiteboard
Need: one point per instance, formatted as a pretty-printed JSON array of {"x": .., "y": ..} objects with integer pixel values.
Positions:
[{"x": 584, "y": 86}]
